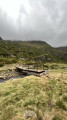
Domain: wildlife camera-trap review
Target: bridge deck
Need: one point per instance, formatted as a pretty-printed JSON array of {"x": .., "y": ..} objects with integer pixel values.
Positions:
[{"x": 29, "y": 71}]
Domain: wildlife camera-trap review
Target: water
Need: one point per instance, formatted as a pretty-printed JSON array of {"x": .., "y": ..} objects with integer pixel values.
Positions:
[
  {"x": 12, "y": 78},
  {"x": 17, "y": 76},
  {"x": 65, "y": 68}
]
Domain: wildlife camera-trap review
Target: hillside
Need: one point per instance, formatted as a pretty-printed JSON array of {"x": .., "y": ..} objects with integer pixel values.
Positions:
[
  {"x": 35, "y": 98},
  {"x": 64, "y": 49},
  {"x": 30, "y": 51}
]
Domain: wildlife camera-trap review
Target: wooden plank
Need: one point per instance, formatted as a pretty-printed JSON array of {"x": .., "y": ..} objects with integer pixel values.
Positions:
[{"x": 29, "y": 71}]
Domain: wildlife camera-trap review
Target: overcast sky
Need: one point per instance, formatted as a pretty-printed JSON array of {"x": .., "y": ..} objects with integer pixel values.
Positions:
[{"x": 34, "y": 20}]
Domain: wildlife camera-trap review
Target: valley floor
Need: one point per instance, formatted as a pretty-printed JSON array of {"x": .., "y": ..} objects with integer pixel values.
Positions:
[{"x": 35, "y": 98}]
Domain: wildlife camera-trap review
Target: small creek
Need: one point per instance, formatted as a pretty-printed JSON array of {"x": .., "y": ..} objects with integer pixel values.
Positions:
[
  {"x": 11, "y": 78},
  {"x": 15, "y": 76},
  {"x": 65, "y": 68},
  {"x": 20, "y": 76}
]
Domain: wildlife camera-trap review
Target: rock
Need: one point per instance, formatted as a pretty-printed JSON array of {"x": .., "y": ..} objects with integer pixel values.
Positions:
[
  {"x": 30, "y": 114},
  {"x": 10, "y": 69},
  {"x": 1, "y": 77}
]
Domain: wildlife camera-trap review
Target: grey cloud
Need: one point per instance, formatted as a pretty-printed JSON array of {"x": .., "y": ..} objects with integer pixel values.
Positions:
[
  {"x": 7, "y": 27},
  {"x": 46, "y": 20}
]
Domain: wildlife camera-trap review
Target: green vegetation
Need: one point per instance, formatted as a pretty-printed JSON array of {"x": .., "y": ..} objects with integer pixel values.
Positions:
[
  {"x": 1, "y": 64},
  {"x": 61, "y": 105},
  {"x": 44, "y": 96},
  {"x": 36, "y": 51},
  {"x": 64, "y": 49},
  {"x": 40, "y": 94},
  {"x": 7, "y": 61},
  {"x": 65, "y": 98},
  {"x": 57, "y": 117}
]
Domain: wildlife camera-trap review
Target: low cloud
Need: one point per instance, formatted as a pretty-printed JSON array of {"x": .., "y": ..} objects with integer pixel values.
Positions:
[{"x": 37, "y": 20}]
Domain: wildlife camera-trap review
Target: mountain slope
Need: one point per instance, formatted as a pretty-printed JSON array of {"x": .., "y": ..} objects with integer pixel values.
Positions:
[
  {"x": 31, "y": 50},
  {"x": 64, "y": 49}
]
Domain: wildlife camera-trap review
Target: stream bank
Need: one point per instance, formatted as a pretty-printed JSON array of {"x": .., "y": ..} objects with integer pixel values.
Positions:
[{"x": 9, "y": 74}]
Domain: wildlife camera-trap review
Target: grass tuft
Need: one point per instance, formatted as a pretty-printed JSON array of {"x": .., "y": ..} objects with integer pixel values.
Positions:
[
  {"x": 61, "y": 105},
  {"x": 65, "y": 98},
  {"x": 57, "y": 117}
]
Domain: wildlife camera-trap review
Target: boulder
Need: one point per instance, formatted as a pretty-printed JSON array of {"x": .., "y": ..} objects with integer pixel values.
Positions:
[{"x": 30, "y": 114}]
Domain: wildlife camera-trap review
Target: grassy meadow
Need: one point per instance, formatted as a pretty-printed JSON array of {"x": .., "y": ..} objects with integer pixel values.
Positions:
[{"x": 45, "y": 95}]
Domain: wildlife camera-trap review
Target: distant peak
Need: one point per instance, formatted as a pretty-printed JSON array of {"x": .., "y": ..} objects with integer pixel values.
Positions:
[{"x": 38, "y": 41}]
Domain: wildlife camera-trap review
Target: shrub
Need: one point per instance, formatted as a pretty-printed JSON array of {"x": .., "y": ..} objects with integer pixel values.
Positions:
[
  {"x": 1, "y": 64},
  {"x": 54, "y": 66},
  {"x": 8, "y": 61},
  {"x": 46, "y": 66}
]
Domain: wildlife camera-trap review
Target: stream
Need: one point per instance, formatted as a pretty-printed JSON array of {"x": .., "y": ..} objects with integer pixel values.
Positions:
[
  {"x": 20, "y": 76},
  {"x": 11, "y": 78},
  {"x": 65, "y": 68}
]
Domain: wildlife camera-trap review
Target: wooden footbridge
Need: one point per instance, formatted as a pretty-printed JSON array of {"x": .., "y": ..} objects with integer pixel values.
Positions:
[{"x": 30, "y": 72}]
